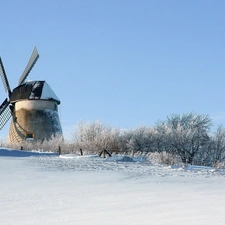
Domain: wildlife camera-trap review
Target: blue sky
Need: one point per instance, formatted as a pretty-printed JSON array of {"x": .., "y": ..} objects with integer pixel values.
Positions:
[{"x": 126, "y": 63}]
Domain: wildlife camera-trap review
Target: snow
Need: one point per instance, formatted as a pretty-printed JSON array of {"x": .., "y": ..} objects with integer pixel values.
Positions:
[
  {"x": 48, "y": 93},
  {"x": 43, "y": 188}
]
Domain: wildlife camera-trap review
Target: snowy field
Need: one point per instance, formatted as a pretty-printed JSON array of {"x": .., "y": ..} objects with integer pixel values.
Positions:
[{"x": 47, "y": 189}]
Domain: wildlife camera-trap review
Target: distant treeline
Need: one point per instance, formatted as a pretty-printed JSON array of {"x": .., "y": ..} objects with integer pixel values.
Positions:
[{"x": 186, "y": 137}]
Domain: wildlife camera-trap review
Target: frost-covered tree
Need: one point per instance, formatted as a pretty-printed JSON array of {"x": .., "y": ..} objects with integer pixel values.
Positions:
[
  {"x": 142, "y": 139},
  {"x": 217, "y": 147},
  {"x": 185, "y": 135},
  {"x": 94, "y": 136}
]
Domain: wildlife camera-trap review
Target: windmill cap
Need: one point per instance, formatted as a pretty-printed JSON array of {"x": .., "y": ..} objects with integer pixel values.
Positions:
[{"x": 34, "y": 90}]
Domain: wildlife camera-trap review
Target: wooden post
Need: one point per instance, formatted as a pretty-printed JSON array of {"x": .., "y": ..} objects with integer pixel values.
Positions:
[
  {"x": 104, "y": 152},
  {"x": 60, "y": 151},
  {"x": 81, "y": 152},
  {"x": 100, "y": 154},
  {"x": 107, "y": 152}
]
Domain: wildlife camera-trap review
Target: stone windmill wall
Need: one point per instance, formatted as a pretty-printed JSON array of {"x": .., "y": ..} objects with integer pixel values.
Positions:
[{"x": 36, "y": 118}]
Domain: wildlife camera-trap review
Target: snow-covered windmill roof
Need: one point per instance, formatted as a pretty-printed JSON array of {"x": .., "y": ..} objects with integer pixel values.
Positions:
[{"x": 34, "y": 90}]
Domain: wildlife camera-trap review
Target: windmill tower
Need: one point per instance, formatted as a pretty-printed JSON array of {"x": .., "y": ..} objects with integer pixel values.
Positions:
[{"x": 32, "y": 105}]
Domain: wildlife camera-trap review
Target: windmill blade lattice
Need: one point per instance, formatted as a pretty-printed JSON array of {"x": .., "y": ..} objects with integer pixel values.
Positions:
[
  {"x": 4, "y": 78},
  {"x": 5, "y": 113},
  {"x": 33, "y": 59}
]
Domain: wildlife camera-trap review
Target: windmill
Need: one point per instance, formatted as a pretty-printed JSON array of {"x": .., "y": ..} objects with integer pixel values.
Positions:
[{"x": 32, "y": 105}]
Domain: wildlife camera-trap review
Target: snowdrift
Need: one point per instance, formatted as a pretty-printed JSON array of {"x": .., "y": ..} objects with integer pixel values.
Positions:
[{"x": 44, "y": 188}]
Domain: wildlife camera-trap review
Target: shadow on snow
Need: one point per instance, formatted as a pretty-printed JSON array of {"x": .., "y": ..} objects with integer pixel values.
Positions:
[{"x": 20, "y": 153}]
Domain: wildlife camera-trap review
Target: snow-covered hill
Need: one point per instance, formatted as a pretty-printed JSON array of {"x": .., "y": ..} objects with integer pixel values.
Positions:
[{"x": 43, "y": 188}]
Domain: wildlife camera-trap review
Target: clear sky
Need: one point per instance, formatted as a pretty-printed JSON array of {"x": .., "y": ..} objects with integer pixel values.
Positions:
[{"x": 126, "y": 63}]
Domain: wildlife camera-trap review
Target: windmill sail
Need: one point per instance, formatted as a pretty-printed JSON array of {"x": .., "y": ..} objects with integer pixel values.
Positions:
[
  {"x": 4, "y": 78},
  {"x": 5, "y": 113},
  {"x": 33, "y": 59}
]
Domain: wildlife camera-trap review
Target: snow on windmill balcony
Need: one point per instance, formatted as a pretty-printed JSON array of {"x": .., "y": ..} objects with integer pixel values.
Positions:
[{"x": 34, "y": 90}]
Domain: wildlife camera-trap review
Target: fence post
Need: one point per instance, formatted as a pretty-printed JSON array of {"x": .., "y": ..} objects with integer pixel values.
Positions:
[
  {"x": 100, "y": 154},
  {"x": 81, "y": 152},
  {"x": 60, "y": 151},
  {"x": 107, "y": 152},
  {"x": 104, "y": 152}
]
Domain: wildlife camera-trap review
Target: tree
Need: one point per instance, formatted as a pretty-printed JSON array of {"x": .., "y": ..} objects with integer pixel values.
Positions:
[
  {"x": 218, "y": 144},
  {"x": 142, "y": 139},
  {"x": 94, "y": 136},
  {"x": 185, "y": 134}
]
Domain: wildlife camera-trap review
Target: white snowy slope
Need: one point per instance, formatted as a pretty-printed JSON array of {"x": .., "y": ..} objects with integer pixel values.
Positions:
[{"x": 47, "y": 189}]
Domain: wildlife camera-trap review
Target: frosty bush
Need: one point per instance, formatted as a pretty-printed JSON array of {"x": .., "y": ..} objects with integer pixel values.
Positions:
[
  {"x": 46, "y": 145},
  {"x": 163, "y": 158},
  {"x": 2, "y": 141},
  {"x": 219, "y": 165}
]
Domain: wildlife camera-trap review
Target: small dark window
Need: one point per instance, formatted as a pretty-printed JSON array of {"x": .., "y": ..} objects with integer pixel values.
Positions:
[{"x": 29, "y": 135}]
